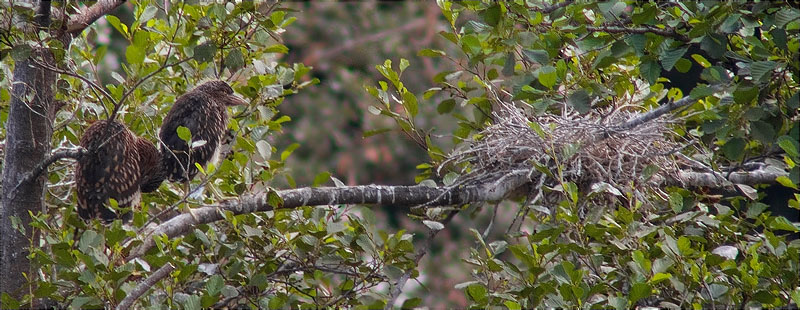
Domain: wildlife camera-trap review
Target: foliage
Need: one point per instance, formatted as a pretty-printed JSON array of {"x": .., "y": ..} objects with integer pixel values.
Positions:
[
  {"x": 313, "y": 255},
  {"x": 689, "y": 247},
  {"x": 692, "y": 249}
]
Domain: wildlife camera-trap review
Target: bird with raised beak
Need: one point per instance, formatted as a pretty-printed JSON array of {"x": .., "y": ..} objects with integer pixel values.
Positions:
[
  {"x": 203, "y": 111},
  {"x": 118, "y": 165}
]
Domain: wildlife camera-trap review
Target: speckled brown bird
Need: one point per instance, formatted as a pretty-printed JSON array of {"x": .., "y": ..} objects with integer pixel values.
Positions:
[
  {"x": 203, "y": 110},
  {"x": 118, "y": 165}
]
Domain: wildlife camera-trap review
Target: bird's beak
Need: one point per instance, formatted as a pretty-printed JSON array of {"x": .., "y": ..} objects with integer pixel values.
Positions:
[{"x": 234, "y": 99}]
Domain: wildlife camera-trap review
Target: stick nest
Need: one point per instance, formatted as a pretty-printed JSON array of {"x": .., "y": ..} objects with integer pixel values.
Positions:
[{"x": 592, "y": 151}]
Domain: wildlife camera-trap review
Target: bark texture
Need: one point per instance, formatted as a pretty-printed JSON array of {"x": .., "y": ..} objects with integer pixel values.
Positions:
[{"x": 28, "y": 134}]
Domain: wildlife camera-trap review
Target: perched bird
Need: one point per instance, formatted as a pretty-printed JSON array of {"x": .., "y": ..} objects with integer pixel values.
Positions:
[
  {"x": 203, "y": 110},
  {"x": 119, "y": 165}
]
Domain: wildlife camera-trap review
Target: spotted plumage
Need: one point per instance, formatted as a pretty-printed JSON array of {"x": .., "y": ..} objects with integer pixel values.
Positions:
[
  {"x": 203, "y": 111},
  {"x": 118, "y": 165}
]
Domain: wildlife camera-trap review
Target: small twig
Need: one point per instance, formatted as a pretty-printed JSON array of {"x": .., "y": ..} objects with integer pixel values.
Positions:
[
  {"x": 148, "y": 283},
  {"x": 556, "y": 6},
  {"x": 73, "y": 74},
  {"x": 640, "y": 30},
  {"x": 661, "y": 110},
  {"x": 491, "y": 222}
]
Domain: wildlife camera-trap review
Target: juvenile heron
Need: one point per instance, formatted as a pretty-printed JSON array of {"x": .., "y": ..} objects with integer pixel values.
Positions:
[
  {"x": 118, "y": 165},
  {"x": 203, "y": 111}
]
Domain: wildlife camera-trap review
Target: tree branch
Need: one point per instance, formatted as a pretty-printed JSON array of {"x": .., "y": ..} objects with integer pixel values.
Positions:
[
  {"x": 56, "y": 155},
  {"x": 400, "y": 196},
  {"x": 149, "y": 282},
  {"x": 669, "y": 32},
  {"x": 708, "y": 179},
  {"x": 663, "y": 109},
  {"x": 91, "y": 14},
  {"x": 364, "y": 194},
  {"x": 42, "y": 18},
  {"x": 550, "y": 9}
]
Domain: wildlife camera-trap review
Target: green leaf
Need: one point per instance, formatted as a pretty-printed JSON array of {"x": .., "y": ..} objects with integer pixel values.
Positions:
[
  {"x": 760, "y": 69},
  {"x": 403, "y": 64},
  {"x": 683, "y": 65},
  {"x": 745, "y": 96},
  {"x": 580, "y": 101},
  {"x": 446, "y": 106},
  {"x": 370, "y": 133},
  {"x": 410, "y": 103},
  {"x": 755, "y": 209},
  {"x": 789, "y": 145},
  {"x": 539, "y": 56},
  {"x": 433, "y": 225},
  {"x": 477, "y": 293},
  {"x": 781, "y": 223},
  {"x": 701, "y": 91},
  {"x": 321, "y": 178},
  {"x": 21, "y": 52},
  {"x": 512, "y": 305},
  {"x": 639, "y": 291},
  {"x": 762, "y": 131},
  {"x": 795, "y": 295},
  {"x": 785, "y": 16},
  {"x": 676, "y": 202},
  {"x": 734, "y": 148},
  {"x": 205, "y": 52},
  {"x": 647, "y": 14},
  {"x": 277, "y": 48},
  {"x": 134, "y": 54},
  {"x": 277, "y": 302},
  {"x": 547, "y": 76},
  {"x": 214, "y": 285},
  {"x": 431, "y": 53},
  {"x": 658, "y": 277},
  {"x": 148, "y": 13},
  {"x": 288, "y": 151},
  {"x": 786, "y": 181},
  {"x": 670, "y": 57},
  {"x": 115, "y": 22},
  {"x": 650, "y": 71},
  {"x": 492, "y": 15},
  {"x": 235, "y": 60},
  {"x": 264, "y": 149},
  {"x": 701, "y": 60},
  {"x": 411, "y": 303},
  {"x": 184, "y": 133}
]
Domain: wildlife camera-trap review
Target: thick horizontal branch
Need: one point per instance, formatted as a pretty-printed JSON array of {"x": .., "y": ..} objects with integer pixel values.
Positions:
[
  {"x": 400, "y": 196},
  {"x": 91, "y": 14},
  {"x": 708, "y": 179},
  {"x": 364, "y": 194}
]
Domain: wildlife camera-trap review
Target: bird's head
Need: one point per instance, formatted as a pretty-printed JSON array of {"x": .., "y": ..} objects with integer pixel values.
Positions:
[{"x": 221, "y": 91}]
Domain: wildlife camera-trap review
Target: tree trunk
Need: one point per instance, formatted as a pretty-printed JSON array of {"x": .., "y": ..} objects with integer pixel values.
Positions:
[{"x": 28, "y": 135}]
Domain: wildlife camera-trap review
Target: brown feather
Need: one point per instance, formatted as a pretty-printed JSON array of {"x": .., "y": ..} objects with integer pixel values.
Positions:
[{"x": 112, "y": 169}]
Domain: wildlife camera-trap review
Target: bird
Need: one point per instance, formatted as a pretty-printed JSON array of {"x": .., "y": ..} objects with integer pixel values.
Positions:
[
  {"x": 118, "y": 165},
  {"x": 203, "y": 111}
]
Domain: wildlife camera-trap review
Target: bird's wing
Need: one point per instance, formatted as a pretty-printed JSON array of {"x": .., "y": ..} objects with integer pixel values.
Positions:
[{"x": 106, "y": 171}]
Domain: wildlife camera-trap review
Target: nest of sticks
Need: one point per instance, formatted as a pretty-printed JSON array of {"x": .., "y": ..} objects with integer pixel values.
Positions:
[{"x": 595, "y": 151}]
